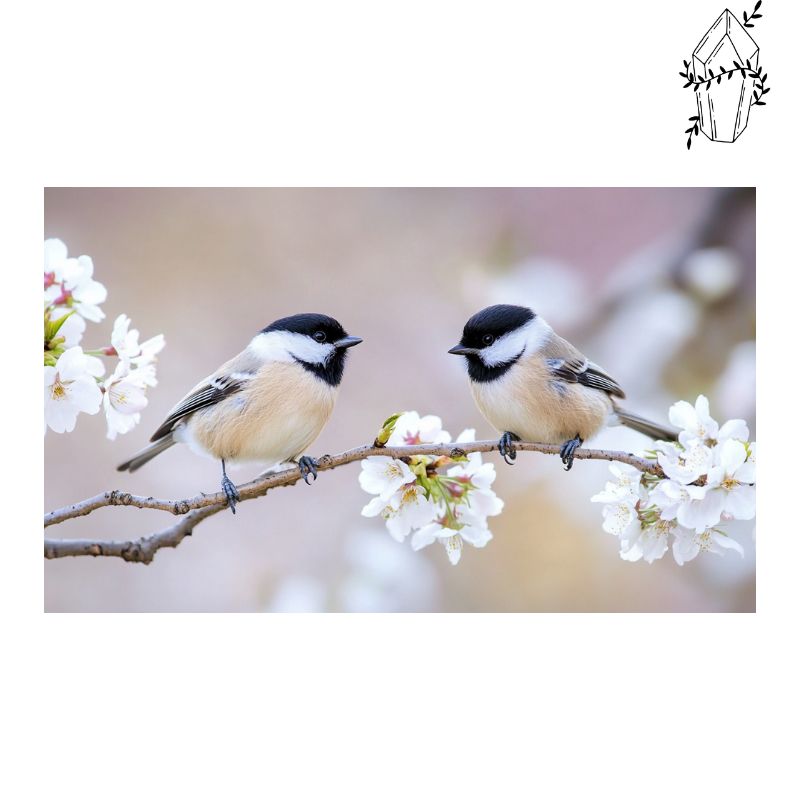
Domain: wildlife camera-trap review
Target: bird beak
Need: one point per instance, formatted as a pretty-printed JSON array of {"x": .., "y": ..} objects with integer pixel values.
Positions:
[
  {"x": 460, "y": 350},
  {"x": 347, "y": 341}
]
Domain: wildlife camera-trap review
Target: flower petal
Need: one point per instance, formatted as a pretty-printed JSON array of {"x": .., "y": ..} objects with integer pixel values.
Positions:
[
  {"x": 55, "y": 254},
  {"x": 425, "y": 536},
  {"x": 683, "y": 415},
  {"x": 731, "y": 454},
  {"x": 726, "y": 543},
  {"x": 734, "y": 429},
  {"x": 475, "y": 535},
  {"x": 374, "y": 507},
  {"x": 453, "y": 547},
  {"x": 740, "y": 502}
]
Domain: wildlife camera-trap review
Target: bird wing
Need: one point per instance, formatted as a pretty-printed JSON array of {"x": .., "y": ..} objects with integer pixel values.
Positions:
[
  {"x": 206, "y": 393},
  {"x": 230, "y": 378},
  {"x": 581, "y": 370}
]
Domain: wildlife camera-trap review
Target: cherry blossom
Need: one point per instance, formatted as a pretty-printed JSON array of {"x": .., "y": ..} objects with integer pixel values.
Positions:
[
  {"x": 70, "y": 387},
  {"x": 73, "y": 376},
  {"x": 123, "y": 399},
  {"x": 710, "y": 479}
]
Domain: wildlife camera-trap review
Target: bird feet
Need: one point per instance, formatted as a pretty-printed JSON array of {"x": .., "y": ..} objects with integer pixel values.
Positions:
[
  {"x": 231, "y": 493},
  {"x": 506, "y": 447},
  {"x": 567, "y": 451},
  {"x": 308, "y": 466}
]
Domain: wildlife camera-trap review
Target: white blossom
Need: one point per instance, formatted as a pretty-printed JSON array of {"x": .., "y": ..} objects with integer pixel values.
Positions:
[
  {"x": 649, "y": 542},
  {"x": 123, "y": 399},
  {"x": 475, "y": 483},
  {"x": 626, "y": 485},
  {"x": 384, "y": 476},
  {"x": 476, "y": 479},
  {"x": 695, "y": 422},
  {"x": 451, "y": 507},
  {"x": 471, "y": 528},
  {"x": 670, "y": 495},
  {"x": 410, "y": 428},
  {"x": 71, "y": 297},
  {"x": 729, "y": 490},
  {"x": 621, "y": 497},
  {"x": 407, "y": 509},
  {"x": 687, "y": 544},
  {"x": 70, "y": 387},
  {"x": 623, "y": 500},
  {"x": 148, "y": 351},
  {"x": 733, "y": 429},
  {"x": 69, "y": 281},
  {"x": 55, "y": 259},
  {"x": 685, "y": 465},
  {"x": 467, "y": 436},
  {"x": 126, "y": 343},
  {"x": 620, "y": 517},
  {"x": 123, "y": 340},
  {"x": 710, "y": 479}
]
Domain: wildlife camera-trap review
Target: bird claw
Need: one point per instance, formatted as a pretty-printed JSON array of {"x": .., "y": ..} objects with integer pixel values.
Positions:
[
  {"x": 506, "y": 447},
  {"x": 231, "y": 492},
  {"x": 567, "y": 452},
  {"x": 308, "y": 466}
]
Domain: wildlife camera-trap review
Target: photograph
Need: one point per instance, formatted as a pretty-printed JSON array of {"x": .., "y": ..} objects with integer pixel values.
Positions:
[{"x": 399, "y": 399}]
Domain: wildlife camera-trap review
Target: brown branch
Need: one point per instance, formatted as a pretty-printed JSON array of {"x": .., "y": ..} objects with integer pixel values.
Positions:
[
  {"x": 140, "y": 550},
  {"x": 203, "y": 506}
]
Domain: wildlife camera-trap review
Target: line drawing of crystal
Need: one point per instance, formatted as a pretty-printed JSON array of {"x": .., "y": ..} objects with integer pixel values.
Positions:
[
  {"x": 726, "y": 77},
  {"x": 724, "y": 106}
]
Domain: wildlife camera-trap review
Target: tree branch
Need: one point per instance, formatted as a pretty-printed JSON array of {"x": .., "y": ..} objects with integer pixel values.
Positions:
[{"x": 202, "y": 506}]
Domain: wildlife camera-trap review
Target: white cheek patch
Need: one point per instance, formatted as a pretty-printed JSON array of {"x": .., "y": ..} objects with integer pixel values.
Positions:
[
  {"x": 530, "y": 337},
  {"x": 287, "y": 346}
]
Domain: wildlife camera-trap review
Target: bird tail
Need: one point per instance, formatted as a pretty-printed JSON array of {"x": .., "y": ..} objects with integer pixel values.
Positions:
[
  {"x": 654, "y": 430},
  {"x": 151, "y": 451}
]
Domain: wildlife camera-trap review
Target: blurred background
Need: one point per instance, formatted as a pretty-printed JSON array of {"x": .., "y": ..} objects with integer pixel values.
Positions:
[{"x": 657, "y": 285}]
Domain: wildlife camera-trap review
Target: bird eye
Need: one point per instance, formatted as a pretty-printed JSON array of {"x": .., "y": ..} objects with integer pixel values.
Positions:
[
  {"x": 488, "y": 339},
  {"x": 320, "y": 336}
]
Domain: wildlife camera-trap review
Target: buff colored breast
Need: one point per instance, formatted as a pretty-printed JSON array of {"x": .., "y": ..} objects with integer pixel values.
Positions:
[
  {"x": 527, "y": 402},
  {"x": 275, "y": 418}
]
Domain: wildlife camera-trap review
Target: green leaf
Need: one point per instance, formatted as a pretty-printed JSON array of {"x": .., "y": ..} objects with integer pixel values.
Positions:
[
  {"x": 52, "y": 327},
  {"x": 387, "y": 429}
]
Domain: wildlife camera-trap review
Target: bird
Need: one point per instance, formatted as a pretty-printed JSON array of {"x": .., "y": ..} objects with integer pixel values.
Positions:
[
  {"x": 531, "y": 384},
  {"x": 267, "y": 404}
]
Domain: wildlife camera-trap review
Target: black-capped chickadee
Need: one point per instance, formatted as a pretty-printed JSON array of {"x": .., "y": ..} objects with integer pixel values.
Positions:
[
  {"x": 531, "y": 384},
  {"x": 268, "y": 404}
]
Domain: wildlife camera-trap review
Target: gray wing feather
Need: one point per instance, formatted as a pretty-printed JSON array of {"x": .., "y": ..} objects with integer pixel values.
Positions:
[
  {"x": 586, "y": 373},
  {"x": 204, "y": 395}
]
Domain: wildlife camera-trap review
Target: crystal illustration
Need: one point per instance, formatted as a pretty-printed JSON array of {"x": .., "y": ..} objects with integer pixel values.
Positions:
[{"x": 723, "y": 105}]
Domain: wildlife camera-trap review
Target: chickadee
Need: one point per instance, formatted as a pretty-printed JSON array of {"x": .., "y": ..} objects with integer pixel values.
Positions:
[
  {"x": 531, "y": 384},
  {"x": 269, "y": 403}
]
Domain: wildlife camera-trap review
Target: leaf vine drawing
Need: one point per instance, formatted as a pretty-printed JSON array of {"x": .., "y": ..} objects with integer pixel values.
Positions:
[{"x": 726, "y": 77}]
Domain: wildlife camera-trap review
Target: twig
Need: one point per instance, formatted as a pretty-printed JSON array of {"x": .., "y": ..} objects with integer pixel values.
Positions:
[
  {"x": 748, "y": 21},
  {"x": 746, "y": 71},
  {"x": 140, "y": 550},
  {"x": 692, "y": 130},
  {"x": 202, "y": 506}
]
